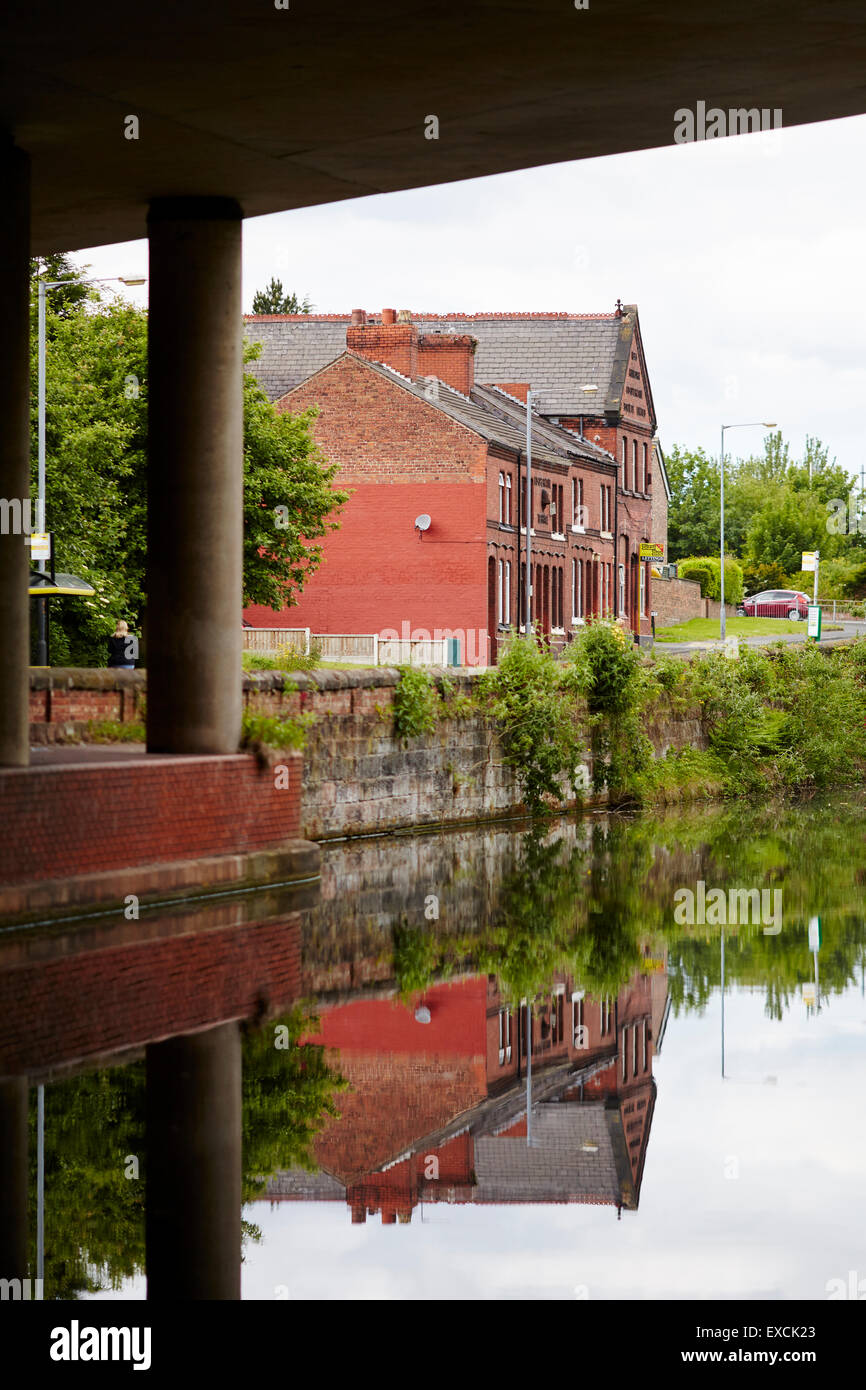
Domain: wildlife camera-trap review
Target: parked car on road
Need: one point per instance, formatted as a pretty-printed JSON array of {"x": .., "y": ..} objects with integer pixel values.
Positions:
[{"x": 776, "y": 603}]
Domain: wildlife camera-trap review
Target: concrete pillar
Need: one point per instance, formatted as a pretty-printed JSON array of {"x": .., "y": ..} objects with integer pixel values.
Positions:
[
  {"x": 14, "y": 451},
  {"x": 193, "y": 1205},
  {"x": 195, "y": 476},
  {"x": 13, "y": 1178}
]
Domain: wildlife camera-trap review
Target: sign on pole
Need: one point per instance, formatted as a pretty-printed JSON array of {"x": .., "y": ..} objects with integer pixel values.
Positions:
[
  {"x": 809, "y": 559},
  {"x": 40, "y": 545},
  {"x": 814, "y": 628}
]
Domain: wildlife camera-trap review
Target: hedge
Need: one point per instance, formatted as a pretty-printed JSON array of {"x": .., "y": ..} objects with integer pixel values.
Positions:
[{"x": 707, "y": 570}]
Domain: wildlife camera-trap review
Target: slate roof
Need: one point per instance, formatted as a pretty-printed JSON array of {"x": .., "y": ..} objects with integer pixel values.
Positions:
[
  {"x": 559, "y": 353},
  {"x": 552, "y": 445},
  {"x": 297, "y": 1183},
  {"x": 556, "y": 1168}
]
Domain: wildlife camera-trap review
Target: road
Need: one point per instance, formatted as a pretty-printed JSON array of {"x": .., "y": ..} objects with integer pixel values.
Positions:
[{"x": 848, "y": 630}]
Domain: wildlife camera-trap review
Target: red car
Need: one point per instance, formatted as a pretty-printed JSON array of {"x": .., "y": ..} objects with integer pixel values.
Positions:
[{"x": 776, "y": 603}]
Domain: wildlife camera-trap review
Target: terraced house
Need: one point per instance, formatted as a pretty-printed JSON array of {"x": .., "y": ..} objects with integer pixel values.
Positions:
[{"x": 426, "y": 417}]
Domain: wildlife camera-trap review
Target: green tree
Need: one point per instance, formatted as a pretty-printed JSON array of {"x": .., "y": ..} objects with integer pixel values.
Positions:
[
  {"x": 96, "y": 469},
  {"x": 786, "y": 526},
  {"x": 272, "y": 300},
  {"x": 289, "y": 499},
  {"x": 693, "y": 513}
]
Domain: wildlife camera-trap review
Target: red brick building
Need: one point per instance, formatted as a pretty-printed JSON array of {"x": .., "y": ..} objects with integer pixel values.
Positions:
[
  {"x": 437, "y": 1110},
  {"x": 426, "y": 417}
]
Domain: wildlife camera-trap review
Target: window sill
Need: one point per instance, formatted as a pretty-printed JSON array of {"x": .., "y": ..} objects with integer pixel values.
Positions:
[{"x": 578, "y": 530}]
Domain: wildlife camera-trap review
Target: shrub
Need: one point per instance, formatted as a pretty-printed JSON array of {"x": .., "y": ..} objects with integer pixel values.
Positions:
[
  {"x": 607, "y": 670},
  {"x": 531, "y": 698},
  {"x": 707, "y": 569},
  {"x": 269, "y": 731},
  {"x": 416, "y": 703}
]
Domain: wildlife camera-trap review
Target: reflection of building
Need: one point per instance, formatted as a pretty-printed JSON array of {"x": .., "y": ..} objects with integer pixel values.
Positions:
[{"x": 437, "y": 1111}]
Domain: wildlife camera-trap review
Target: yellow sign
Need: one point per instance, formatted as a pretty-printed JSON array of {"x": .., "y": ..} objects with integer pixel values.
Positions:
[
  {"x": 652, "y": 550},
  {"x": 809, "y": 558},
  {"x": 40, "y": 545}
]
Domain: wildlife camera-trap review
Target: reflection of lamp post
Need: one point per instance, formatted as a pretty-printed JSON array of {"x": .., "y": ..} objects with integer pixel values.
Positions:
[
  {"x": 723, "y": 998},
  {"x": 748, "y": 424},
  {"x": 44, "y": 286},
  {"x": 528, "y": 1073}
]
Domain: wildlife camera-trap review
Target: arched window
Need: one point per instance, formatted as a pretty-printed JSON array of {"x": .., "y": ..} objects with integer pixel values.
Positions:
[
  {"x": 508, "y": 497},
  {"x": 501, "y": 497}
]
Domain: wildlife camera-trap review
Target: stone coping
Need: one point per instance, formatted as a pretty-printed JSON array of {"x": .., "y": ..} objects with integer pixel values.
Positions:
[{"x": 360, "y": 678}]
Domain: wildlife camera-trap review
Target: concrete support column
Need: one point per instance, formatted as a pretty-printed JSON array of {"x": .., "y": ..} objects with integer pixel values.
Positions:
[
  {"x": 195, "y": 476},
  {"x": 13, "y": 1178},
  {"x": 14, "y": 452},
  {"x": 193, "y": 1207}
]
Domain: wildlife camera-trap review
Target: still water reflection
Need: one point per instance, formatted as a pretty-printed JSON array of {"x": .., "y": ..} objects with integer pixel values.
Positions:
[{"x": 486, "y": 1064}]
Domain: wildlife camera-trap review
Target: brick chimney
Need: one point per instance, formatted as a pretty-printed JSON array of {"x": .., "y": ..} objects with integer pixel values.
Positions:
[
  {"x": 395, "y": 344},
  {"x": 514, "y": 388},
  {"x": 450, "y": 357}
]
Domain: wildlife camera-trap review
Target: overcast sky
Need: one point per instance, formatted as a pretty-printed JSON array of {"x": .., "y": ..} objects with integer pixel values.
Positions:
[{"x": 744, "y": 256}]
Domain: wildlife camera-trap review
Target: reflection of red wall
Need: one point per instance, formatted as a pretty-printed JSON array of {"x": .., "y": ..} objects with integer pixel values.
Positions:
[
  {"x": 377, "y": 1026},
  {"x": 78, "y": 1007}
]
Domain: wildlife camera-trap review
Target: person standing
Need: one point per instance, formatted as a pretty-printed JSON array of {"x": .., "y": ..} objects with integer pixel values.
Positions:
[{"x": 122, "y": 648}]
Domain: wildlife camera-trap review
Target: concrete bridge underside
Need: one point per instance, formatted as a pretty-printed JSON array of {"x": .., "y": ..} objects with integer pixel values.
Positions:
[{"x": 239, "y": 108}]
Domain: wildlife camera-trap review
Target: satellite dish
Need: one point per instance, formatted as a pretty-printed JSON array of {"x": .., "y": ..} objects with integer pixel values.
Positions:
[{"x": 422, "y": 522}]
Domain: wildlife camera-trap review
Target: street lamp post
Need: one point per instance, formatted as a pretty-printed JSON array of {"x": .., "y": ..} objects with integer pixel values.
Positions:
[
  {"x": 527, "y": 588},
  {"x": 747, "y": 424},
  {"x": 44, "y": 286}
]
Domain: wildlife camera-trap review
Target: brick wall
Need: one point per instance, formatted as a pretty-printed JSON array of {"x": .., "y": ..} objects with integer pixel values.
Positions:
[
  {"x": 401, "y": 458},
  {"x": 357, "y": 776},
  {"x": 98, "y": 1002},
  {"x": 63, "y": 702},
  {"x": 678, "y": 600},
  {"x": 60, "y": 821}
]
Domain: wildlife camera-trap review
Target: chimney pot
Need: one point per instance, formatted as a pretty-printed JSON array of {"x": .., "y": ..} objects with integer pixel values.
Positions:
[
  {"x": 359, "y": 316},
  {"x": 389, "y": 316}
]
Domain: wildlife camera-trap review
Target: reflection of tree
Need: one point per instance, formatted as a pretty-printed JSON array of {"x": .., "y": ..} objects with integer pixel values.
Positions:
[
  {"x": 289, "y": 1091},
  {"x": 560, "y": 910},
  {"x": 94, "y": 1213},
  {"x": 566, "y": 909}
]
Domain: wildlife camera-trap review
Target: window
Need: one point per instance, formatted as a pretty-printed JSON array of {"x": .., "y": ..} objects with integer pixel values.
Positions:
[
  {"x": 501, "y": 497},
  {"x": 508, "y": 498},
  {"x": 643, "y": 470},
  {"x": 624, "y": 1046},
  {"x": 501, "y": 586},
  {"x": 578, "y": 1031},
  {"x": 606, "y": 1014},
  {"x": 634, "y": 465},
  {"x": 634, "y": 1049},
  {"x": 642, "y": 590},
  {"x": 577, "y": 588},
  {"x": 622, "y": 590},
  {"x": 643, "y": 1047},
  {"x": 624, "y": 457},
  {"x": 556, "y": 518},
  {"x": 504, "y": 1037},
  {"x": 507, "y": 614}
]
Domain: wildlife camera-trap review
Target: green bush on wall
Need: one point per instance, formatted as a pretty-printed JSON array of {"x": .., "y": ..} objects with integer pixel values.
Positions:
[{"x": 707, "y": 570}]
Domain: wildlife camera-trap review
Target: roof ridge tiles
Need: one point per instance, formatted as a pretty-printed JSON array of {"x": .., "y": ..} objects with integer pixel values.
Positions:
[{"x": 427, "y": 314}]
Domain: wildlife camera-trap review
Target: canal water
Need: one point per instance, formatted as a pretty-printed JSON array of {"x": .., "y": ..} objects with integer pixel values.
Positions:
[{"x": 619, "y": 1058}]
